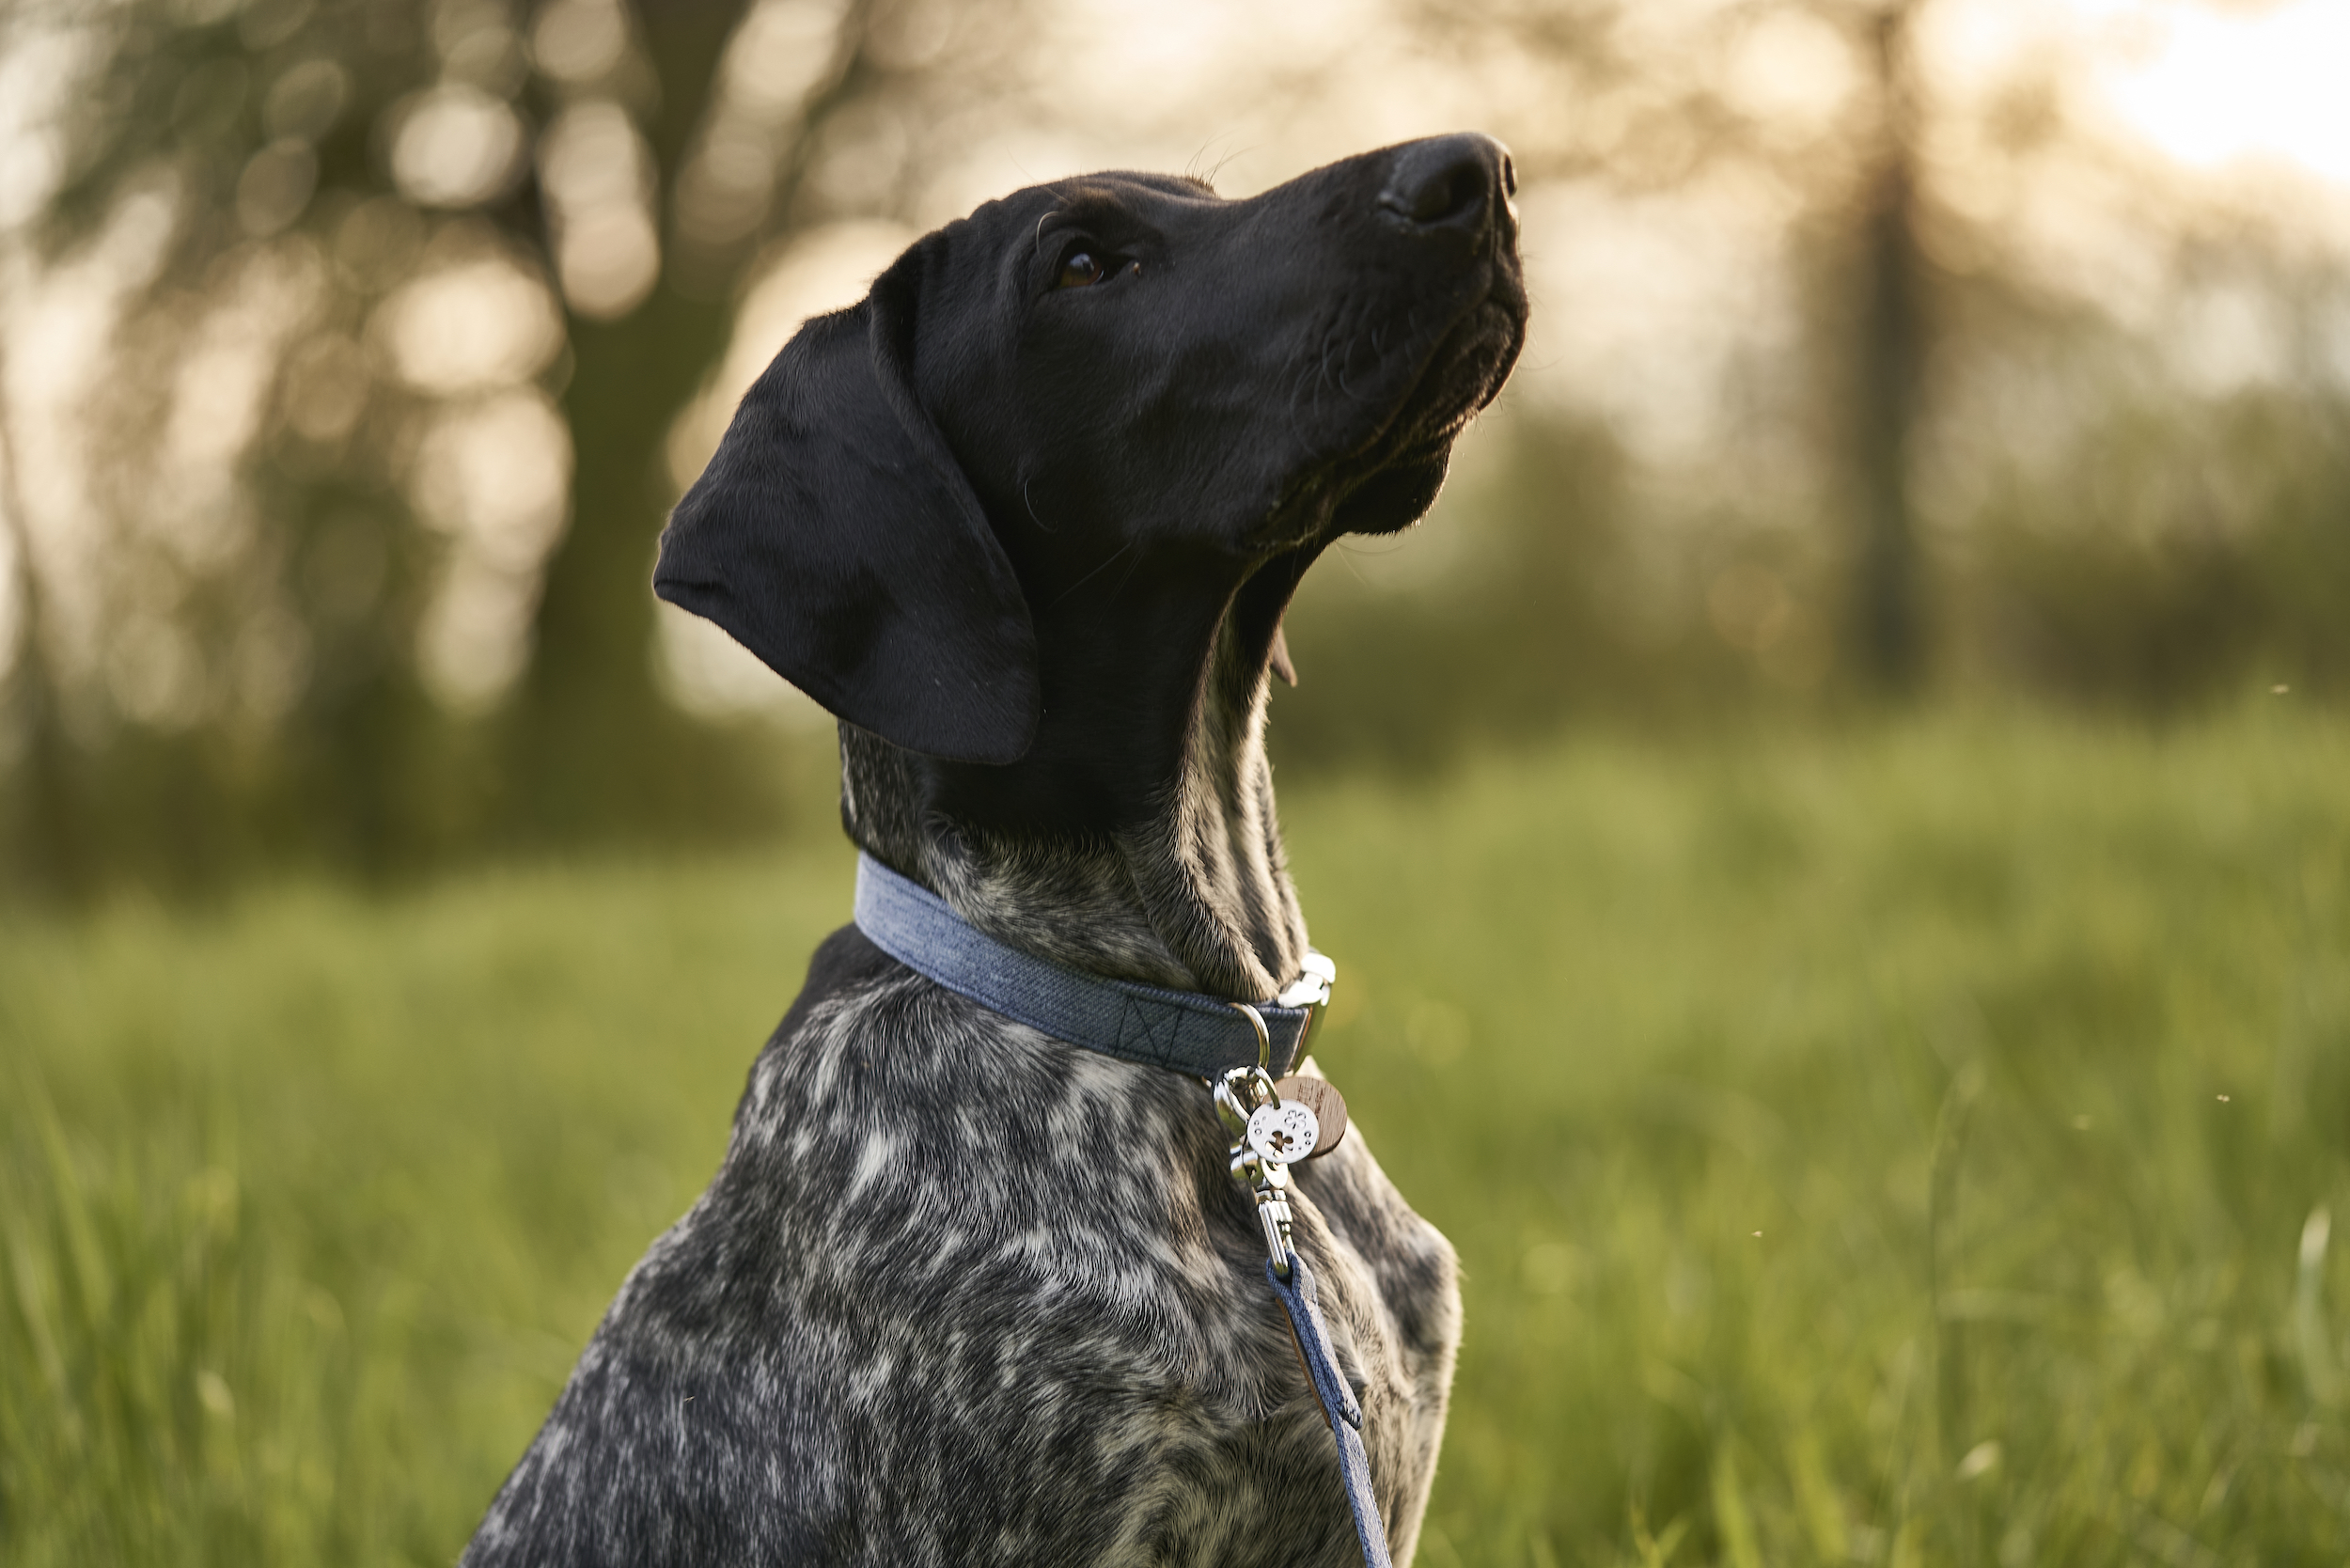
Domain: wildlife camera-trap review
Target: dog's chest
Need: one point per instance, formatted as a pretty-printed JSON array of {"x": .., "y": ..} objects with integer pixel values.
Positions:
[{"x": 960, "y": 1293}]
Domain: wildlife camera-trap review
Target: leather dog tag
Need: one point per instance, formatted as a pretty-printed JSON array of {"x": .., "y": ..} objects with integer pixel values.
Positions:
[{"x": 1327, "y": 1104}]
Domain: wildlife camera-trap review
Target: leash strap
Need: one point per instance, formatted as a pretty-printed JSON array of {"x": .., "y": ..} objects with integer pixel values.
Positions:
[
  {"x": 1338, "y": 1405},
  {"x": 1199, "y": 1035}
]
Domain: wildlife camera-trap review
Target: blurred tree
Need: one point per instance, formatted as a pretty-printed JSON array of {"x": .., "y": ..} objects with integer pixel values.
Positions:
[
  {"x": 1992, "y": 446},
  {"x": 594, "y": 747},
  {"x": 1889, "y": 343},
  {"x": 1652, "y": 101},
  {"x": 400, "y": 299},
  {"x": 1825, "y": 104},
  {"x": 42, "y": 827}
]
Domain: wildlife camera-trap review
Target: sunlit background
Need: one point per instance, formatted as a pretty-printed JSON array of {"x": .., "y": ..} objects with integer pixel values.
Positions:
[
  {"x": 353, "y": 352},
  {"x": 1905, "y": 588}
]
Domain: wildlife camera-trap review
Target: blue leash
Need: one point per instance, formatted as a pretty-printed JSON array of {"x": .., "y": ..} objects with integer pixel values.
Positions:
[
  {"x": 1236, "y": 1048},
  {"x": 1339, "y": 1406}
]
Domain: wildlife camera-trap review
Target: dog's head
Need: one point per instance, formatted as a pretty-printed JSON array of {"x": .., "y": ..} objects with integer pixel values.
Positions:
[{"x": 1072, "y": 428}]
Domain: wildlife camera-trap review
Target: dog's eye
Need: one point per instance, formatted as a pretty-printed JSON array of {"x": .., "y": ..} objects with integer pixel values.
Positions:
[{"x": 1082, "y": 269}]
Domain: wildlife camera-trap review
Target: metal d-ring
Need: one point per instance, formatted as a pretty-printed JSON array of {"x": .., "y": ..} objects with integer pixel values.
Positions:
[{"x": 1265, "y": 1036}]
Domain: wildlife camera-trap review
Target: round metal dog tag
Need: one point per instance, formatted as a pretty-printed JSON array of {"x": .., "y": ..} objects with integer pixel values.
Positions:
[{"x": 1286, "y": 1132}]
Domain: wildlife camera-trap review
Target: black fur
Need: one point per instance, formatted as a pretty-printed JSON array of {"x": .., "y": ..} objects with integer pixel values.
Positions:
[{"x": 960, "y": 1293}]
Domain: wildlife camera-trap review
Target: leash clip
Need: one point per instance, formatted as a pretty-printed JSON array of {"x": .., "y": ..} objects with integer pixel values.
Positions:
[
  {"x": 1240, "y": 1095},
  {"x": 1246, "y": 1096}
]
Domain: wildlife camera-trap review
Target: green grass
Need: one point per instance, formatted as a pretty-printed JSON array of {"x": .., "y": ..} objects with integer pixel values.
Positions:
[{"x": 2024, "y": 1047}]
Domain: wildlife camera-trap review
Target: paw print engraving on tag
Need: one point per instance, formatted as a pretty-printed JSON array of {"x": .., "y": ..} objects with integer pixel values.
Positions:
[{"x": 1286, "y": 1132}]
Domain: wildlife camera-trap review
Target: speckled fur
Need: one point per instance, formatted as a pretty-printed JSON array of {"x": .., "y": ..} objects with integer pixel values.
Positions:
[{"x": 961, "y": 1293}]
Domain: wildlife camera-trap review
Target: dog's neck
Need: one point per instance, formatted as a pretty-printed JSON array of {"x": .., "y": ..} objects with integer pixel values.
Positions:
[{"x": 1188, "y": 888}]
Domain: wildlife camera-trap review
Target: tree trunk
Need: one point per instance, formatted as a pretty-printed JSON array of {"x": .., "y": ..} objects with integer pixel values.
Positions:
[
  {"x": 596, "y": 752},
  {"x": 598, "y": 746},
  {"x": 45, "y": 841},
  {"x": 1887, "y": 630}
]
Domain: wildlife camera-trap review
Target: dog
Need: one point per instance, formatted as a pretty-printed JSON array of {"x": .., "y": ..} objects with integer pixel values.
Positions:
[{"x": 1026, "y": 520}]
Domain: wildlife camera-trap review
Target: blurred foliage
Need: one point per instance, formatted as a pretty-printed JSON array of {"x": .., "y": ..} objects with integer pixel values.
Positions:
[
  {"x": 1914, "y": 1144},
  {"x": 2167, "y": 555},
  {"x": 2003, "y": 329},
  {"x": 1526, "y": 600},
  {"x": 402, "y": 300},
  {"x": 396, "y": 304},
  {"x": 2178, "y": 555}
]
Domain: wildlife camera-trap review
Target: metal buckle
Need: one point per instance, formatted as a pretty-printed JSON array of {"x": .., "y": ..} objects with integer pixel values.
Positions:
[{"x": 1310, "y": 993}]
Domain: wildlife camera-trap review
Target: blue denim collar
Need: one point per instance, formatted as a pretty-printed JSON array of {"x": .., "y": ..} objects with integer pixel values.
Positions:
[{"x": 1183, "y": 1030}]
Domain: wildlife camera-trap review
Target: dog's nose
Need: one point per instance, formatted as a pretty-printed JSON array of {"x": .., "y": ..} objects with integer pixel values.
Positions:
[{"x": 1448, "y": 182}]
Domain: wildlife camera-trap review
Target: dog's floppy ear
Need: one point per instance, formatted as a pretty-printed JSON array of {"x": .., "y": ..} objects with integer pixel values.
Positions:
[{"x": 834, "y": 536}]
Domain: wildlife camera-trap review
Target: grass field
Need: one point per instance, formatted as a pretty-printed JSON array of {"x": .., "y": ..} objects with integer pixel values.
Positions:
[{"x": 1906, "y": 1145}]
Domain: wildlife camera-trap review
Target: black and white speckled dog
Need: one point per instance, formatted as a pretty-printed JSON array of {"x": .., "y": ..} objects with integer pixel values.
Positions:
[{"x": 1026, "y": 519}]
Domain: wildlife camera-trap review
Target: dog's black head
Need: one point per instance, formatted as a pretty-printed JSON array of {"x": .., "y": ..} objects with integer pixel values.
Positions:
[{"x": 998, "y": 512}]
